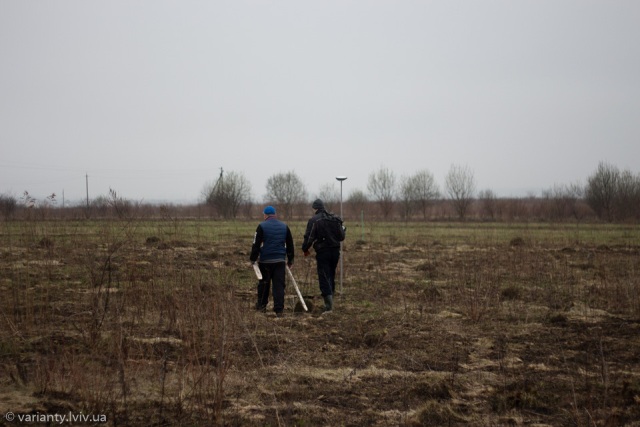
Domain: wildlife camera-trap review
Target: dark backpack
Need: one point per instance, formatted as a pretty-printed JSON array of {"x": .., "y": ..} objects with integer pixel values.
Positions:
[{"x": 333, "y": 225}]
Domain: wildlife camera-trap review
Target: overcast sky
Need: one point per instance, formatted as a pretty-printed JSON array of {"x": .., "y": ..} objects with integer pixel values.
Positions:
[{"x": 151, "y": 98}]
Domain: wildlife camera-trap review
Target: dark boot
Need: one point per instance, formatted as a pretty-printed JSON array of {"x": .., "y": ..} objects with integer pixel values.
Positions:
[
  {"x": 261, "y": 304},
  {"x": 328, "y": 303}
]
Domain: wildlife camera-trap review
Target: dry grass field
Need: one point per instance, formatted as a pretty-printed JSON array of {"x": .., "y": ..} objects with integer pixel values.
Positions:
[{"x": 152, "y": 323}]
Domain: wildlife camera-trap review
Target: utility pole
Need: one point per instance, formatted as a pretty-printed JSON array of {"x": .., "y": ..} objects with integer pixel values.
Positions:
[
  {"x": 87, "y": 183},
  {"x": 219, "y": 181},
  {"x": 341, "y": 178}
]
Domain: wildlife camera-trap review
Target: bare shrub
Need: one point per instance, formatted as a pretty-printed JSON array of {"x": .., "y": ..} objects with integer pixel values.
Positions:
[
  {"x": 516, "y": 241},
  {"x": 488, "y": 204},
  {"x": 228, "y": 194},
  {"x": 601, "y": 190},
  {"x": 8, "y": 205},
  {"x": 382, "y": 186},
  {"x": 357, "y": 203},
  {"x": 460, "y": 187}
]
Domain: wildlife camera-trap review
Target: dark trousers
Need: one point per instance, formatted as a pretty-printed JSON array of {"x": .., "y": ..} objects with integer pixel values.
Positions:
[
  {"x": 273, "y": 274},
  {"x": 327, "y": 261}
]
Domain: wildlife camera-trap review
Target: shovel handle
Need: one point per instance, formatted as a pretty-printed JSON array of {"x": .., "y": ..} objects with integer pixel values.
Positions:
[{"x": 295, "y": 285}]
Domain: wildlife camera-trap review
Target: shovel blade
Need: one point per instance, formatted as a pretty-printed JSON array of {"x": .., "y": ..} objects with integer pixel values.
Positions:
[{"x": 256, "y": 269}]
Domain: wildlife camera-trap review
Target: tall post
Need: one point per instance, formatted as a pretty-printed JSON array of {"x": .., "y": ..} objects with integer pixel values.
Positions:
[
  {"x": 341, "y": 178},
  {"x": 87, "y": 185}
]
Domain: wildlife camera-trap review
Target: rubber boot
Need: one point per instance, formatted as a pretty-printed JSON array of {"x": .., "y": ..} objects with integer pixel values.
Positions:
[
  {"x": 328, "y": 303},
  {"x": 259, "y": 305}
]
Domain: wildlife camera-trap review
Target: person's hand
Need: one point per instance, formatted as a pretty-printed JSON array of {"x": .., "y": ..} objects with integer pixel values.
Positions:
[
  {"x": 290, "y": 265},
  {"x": 307, "y": 253}
]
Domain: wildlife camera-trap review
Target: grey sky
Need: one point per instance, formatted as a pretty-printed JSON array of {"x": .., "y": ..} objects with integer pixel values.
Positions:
[{"x": 152, "y": 97}]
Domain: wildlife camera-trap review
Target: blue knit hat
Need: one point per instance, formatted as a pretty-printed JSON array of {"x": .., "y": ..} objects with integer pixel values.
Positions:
[{"x": 269, "y": 210}]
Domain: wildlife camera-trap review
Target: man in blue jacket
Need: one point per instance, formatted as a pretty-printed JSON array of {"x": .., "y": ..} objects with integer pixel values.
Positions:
[{"x": 272, "y": 248}]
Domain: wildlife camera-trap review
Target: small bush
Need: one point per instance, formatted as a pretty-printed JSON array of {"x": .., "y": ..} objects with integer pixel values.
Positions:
[
  {"x": 510, "y": 293},
  {"x": 516, "y": 241}
]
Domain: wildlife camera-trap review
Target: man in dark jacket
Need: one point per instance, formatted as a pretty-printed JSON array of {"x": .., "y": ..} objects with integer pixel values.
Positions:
[
  {"x": 327, "y": 247},
  {"x": 273, "y": 246}
]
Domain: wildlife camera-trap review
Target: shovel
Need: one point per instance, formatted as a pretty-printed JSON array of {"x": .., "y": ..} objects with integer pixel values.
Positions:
[
  {"x": 295, "y": 285},
  {"x": 256, "y": 269}
]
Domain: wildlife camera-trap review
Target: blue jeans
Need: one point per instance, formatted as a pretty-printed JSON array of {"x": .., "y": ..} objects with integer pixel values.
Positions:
[{"x": 327, "y": 261}]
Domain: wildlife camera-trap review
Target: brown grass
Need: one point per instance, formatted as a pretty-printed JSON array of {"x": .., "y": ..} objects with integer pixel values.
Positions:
[{"x": 152, "y": 323}]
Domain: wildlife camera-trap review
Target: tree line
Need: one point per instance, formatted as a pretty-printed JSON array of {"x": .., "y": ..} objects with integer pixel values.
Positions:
[{"x": 609, "y": 194}]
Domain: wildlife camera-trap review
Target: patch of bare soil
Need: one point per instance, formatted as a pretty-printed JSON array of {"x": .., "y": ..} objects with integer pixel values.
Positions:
[{"x": 164, "y": 333}]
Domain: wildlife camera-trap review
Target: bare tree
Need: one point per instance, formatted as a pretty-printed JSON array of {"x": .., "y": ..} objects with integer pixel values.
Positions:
[
  {"x": 407, "y": 196},
  {"x": 563, "y": 200},
  {"x": 285, "y": 190},
  {"x": 601, "y": 189},
  {"x": 357, "y": 201},
  {"x": 228, "y": 193},
  {"x": 382, "y": 186},
  {"x": 627, "y": 202},
  {"x": 121, "y": 207},
  {"x": 425, "y": 190},
  {"x": 8, "y": 205},
  {"x": 489, "y": 203},
  {"x": 100, "y": 206},
  {"x": 460, "y": 186}
]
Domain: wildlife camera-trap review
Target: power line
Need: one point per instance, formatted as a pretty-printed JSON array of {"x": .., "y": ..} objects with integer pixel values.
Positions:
[{"x": 105, "y": 170}]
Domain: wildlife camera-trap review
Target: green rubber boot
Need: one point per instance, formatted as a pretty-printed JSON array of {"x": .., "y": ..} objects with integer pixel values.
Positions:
[{"x": 328, "y": 303}]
